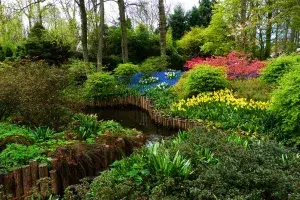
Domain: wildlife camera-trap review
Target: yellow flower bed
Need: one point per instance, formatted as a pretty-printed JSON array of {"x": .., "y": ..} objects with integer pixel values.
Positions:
[{"x": 222, "y": 96}]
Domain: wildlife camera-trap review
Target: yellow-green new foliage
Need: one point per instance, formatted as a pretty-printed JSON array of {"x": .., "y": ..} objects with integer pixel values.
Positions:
[{"x": 286, "y": 101}]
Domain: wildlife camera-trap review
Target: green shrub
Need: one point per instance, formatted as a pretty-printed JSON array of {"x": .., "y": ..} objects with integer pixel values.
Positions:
[
  {"x": 16, "y": 155},
  {"x": 190, "y": 44},
  {"x": 278, "y": 67},
  {"x": 203, "y": 78},
  {"x": 253, "y": 88},
  {"x": 101, "y": 85},
  {"x": 85, "y": 125},
  {"x": 286, "y": 102},
  {"x": 154, "y": 64},
  {"x": 39, "y": 46},
  {"x": 222, "y": 168},
  {"x": 32, "y": 93},
  {"x": 126, "y": 71},
  {"x": 41, "y": 134},
  {"x": 79, "y": 71}
]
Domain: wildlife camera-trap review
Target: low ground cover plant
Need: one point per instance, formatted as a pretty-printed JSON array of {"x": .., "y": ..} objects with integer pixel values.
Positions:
[{"x": 221, "y": 166}]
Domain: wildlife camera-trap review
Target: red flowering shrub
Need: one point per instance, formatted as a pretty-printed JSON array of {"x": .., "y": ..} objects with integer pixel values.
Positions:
[{"x": 238, "y": 65}]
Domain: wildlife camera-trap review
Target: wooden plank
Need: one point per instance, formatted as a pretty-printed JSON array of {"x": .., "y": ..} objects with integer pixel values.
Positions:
[
  {"x": 27, "y": 181},
  {"x": 18, "y": 182}
]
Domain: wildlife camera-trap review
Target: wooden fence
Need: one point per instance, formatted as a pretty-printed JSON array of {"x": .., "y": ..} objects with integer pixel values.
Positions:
[{"x": 145, "y": 104}]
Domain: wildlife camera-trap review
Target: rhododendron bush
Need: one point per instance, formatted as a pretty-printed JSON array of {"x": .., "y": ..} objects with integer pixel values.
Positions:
[{"x": 238, "y": 65}]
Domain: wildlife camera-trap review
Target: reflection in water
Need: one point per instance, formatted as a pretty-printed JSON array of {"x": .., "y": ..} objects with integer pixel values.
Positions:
[{"x": 132, "y": 117}]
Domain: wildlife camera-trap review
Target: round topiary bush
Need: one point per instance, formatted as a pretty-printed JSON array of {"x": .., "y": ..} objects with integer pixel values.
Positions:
[
  {"x": 100, "y": 85},
  {"x": 203, "y": 78},
  {"x": 286, "y": 102},
  {"x": 278, "y": 67},
  {"x": 126, "y": 71}
]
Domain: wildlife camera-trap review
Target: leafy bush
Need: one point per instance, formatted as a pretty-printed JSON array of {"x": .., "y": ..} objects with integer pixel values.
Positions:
[
  {"x": 79, "y": 71},
  {"x": 85, "y": 125},
  {"x": 162, "y": 163},
  {"x": 253, "y": 88},
  {"x": 222, "y": 168},
  {"x": 39, "y": 46},
  {"x": 16, "y": 155},
  {"x": 101, "y": 85},
  {"x": 238, "y": 65},
  {"x": 31, "y": 92},
  {"x": 203, "y": 78},
  {"x": 278, "y": 67},
  {"x": 190, "y": 44},
  {"x": 286, "y": 102},
  {"x": 42, "y": 134},
  {"x": 126, "y": 71},
  {"x": 154, "y": 64}
]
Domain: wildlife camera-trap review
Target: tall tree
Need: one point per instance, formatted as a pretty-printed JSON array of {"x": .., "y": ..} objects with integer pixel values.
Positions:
[
  {"x": 84, "y": 39},
  {"x": 177, "y": 21},
  {"x": 269, "y": 28},
  {"x": 162, "y": 27},
  {"x": 205, "y": 12},
  {"x": 124, "y": 31},
  {"x": 101, "y": 37}
]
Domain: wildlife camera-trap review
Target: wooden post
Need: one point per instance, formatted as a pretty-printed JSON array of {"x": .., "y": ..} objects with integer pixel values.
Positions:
[
  {"x": 18, "y": 182},
  {"x": 34, "y": 171},
  {"x": 9, "y": 183},
  {"x": 43, "y": 173},
  {"x": 27, "y": 179},
  {"x": 54, "y": 182}
]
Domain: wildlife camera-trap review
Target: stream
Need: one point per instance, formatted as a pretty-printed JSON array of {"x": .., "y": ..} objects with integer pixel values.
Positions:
[{"x": 133, "y": 117}]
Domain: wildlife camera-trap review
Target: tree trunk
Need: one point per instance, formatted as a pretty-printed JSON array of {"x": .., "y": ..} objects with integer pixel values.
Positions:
[
  {"x": 39, "y": 12},
  {"x": 101, "y": 37},
  {"x": 162, "y": 27},
  {"x": 83, "y": 30},
  {"x": 124, "y": 44},
  {"x": 269, "y": 30},
  {"x": 243, "y": 24}
]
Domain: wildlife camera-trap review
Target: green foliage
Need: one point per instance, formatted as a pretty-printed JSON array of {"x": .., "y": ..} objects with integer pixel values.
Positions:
[
  {"x": 114, "y": 128},
  {"x": 41, "y": 134},
  {"x": 161, "y": 98},
  {"x": 286, "y": 102},
  {"x": 177, "y": 21},
  {"x": 126, "y": 71},
  {"x": 276, "y": 69},
  {"x": 254, "y": 89},
  {"x": 203, "y": 78},
  {"x": 154, "y": 64},
  {"x": 217, "y": 36},
  {"x": 79, "y": 71},
  {"x": 85, "y": 126},
  {"x": 101, "y": 85},
  {"x": 220, "y": 169},
  {"x": 161, "y": 162},
  {"x": 190, "y": 44},
  {"x": 39, "y": 46},
  {"x": 16, "y": 155},
  {"x": 31, "y": 92}
]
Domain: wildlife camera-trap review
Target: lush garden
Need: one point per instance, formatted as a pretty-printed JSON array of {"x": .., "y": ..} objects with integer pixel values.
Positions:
[{"x": 229, "y": 68}]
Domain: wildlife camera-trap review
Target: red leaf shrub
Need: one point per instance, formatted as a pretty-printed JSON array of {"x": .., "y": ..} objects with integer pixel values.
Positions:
[{"x": 238, "y": 65}]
